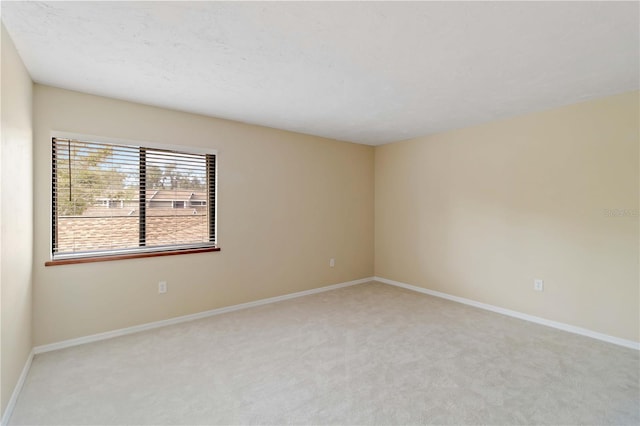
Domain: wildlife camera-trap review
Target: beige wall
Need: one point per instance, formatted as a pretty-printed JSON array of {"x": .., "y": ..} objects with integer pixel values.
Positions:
[
  {"x": 482, "y": 212},
  {"x": 286, "y": 204},
  {"x": 16, "y": 195}
]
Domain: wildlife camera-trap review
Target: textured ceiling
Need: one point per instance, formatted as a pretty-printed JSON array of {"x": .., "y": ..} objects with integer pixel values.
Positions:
[{"x": 370, "y": 73}]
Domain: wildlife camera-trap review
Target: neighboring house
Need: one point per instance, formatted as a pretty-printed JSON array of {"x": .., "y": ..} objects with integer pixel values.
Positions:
[
  {"x": 172, "y": 216},
  {"x": 160, "y": 202},
  {"x": 177, "y": 199}
]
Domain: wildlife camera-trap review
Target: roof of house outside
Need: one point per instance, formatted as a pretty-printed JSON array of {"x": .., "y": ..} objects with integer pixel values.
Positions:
[
  {"x": 154, "y": 197},
  {"x": 175, "y": 195}
]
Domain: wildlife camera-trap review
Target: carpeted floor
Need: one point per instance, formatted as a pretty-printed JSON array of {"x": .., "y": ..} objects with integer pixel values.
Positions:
[{"x": 367, "y": 354}]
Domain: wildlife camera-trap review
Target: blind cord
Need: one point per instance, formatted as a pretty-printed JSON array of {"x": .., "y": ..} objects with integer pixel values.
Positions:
[{"x": 69, "y": 147}]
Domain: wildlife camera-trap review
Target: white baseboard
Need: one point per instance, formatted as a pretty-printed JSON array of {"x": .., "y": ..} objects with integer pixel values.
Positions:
[
  {"x": 16, "y": 390},
  {"x": 559, "y": 325},
  {"x": 185, "y": 318}
]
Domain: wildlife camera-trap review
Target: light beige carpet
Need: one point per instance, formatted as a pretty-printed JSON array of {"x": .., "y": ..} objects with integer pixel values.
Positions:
[{"x": 368, "y": 354}]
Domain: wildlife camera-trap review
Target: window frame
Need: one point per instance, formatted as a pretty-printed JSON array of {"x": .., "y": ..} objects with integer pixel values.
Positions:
[{"x": 141, "y": 251}]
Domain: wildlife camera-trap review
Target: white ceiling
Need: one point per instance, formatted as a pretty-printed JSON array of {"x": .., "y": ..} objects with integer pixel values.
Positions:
[{"x": 366, "y": 72}]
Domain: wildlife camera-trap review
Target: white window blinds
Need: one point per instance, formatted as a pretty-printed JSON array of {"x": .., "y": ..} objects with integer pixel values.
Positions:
[{"x": 111, "y": 199}]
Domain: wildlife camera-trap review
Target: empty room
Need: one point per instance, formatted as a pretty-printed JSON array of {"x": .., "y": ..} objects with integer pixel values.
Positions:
[{"x": 320, "y": 213}]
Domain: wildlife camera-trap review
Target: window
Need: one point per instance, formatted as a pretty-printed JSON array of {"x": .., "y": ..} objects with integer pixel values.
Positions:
[{"x": 111, "y": 200}]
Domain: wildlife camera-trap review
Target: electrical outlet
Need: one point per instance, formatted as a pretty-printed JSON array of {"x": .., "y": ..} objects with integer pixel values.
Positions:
[
  {"x": 162, "y": 287},
  {"x": 538, "y": 285},
  {"x": 332, "y": 262}
]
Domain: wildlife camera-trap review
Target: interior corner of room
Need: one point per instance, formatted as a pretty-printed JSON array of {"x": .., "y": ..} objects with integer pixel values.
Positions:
[{"x": 534, "y": 215}]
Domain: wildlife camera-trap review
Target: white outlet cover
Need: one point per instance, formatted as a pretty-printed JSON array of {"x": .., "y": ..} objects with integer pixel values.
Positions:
[
  {"x": 538, "y": 285},
  {"x": 162, "y": 287},
  {"x": 332, "y": 262}
]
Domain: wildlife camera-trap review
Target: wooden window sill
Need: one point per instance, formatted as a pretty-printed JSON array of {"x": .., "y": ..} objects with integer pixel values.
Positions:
[{"x": 108, "y": 258}]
